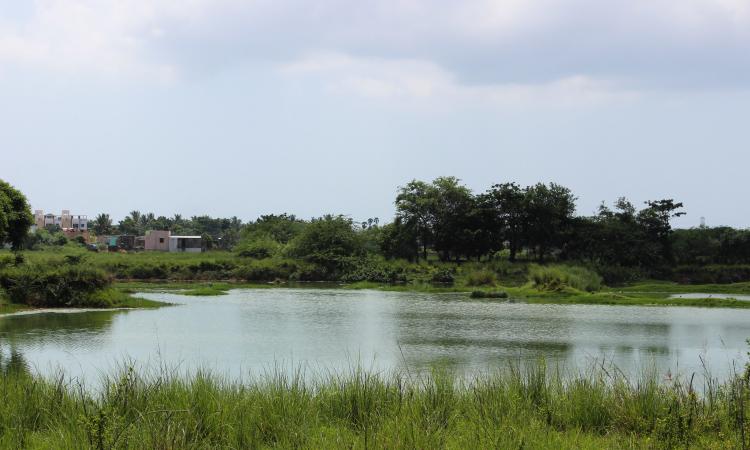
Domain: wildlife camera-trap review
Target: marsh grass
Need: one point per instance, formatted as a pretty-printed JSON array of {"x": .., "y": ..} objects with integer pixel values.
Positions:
[
  {"x": 557, "y": 277},
  {"x": 529, "y": 406}
]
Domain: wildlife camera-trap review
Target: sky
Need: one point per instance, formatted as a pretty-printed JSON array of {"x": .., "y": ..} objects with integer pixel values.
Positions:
[{"x": 242, "y": 108}]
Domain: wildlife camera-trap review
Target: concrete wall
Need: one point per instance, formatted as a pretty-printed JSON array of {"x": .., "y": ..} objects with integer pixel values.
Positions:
[
  {"x": 187, "y": 244},
  {"x": 156, "y": 240}
]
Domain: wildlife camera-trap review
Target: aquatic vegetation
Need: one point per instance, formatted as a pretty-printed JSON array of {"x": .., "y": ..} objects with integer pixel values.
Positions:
[
  {"x": 558, "y": 277},
  {"x": 531, "y": 406}
]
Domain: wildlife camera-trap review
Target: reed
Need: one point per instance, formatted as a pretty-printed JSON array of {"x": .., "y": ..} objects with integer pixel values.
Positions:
[{"x": 529, "y": 406}]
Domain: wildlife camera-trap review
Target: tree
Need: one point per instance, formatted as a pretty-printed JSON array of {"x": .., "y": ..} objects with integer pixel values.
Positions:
[
  {"x": 15, "y": 216},
  {"x": 452, "y": 208},
  {"x": 656, "y": 218},
  {"x": 508, "y": 204},
  {"x": 282, "y": 227},
  {"x": 102, "y": 224},
  {"x": 415, "y": 208},
  {"x": 549, "y": 212},
  {"x": 398, "y": 241},
  {"x": 329, "y": 242}
]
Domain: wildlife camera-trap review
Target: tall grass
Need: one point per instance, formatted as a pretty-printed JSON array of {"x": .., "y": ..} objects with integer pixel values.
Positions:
[
  {"x": 529, "y": 407},
  {"x": 558, "y": 277}
]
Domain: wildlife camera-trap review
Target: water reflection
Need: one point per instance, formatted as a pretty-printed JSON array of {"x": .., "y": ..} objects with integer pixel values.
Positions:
[
  {"x": 85, "y": 329},
  {"x": 255, "y": 330}
]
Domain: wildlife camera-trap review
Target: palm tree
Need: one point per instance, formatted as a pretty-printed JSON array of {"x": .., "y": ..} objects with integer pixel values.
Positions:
[{"x": 102, "y": 224}]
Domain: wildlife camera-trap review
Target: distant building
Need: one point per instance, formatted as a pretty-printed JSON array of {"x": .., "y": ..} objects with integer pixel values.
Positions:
[
  {"x": 158, "y": 240},
  {"x": 120, "y": 242},
  {"x": 189, "y": 244},
  {"x": 66, "y": 221}
]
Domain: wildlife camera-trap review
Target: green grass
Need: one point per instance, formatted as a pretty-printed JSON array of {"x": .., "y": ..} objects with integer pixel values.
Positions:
[
  {"x": 214, "y": 273},
  {"x": 531, "y": 407}
]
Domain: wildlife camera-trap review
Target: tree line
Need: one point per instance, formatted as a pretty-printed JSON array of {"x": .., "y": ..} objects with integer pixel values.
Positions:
[{"x": 445, "y": 220}]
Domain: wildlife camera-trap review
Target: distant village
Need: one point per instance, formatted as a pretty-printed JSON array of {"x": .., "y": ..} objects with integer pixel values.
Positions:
[{"x": 75, "y": 226}]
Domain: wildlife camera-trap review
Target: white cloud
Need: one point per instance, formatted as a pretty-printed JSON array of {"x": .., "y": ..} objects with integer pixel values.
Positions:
[
  {"x": 497, "y": 41},
  {"x": 410, "y": 80}
]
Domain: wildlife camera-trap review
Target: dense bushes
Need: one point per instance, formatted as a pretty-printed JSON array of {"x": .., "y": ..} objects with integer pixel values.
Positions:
[
  {"x": 65, "y": 285},
  {"x": 710, "y": 274},
  {"x": 558, "y": 277},
  {"x": 482, "y": 277}
]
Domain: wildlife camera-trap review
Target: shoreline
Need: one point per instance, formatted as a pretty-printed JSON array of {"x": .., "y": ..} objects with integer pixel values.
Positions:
[{"x": 653, "y": 294}]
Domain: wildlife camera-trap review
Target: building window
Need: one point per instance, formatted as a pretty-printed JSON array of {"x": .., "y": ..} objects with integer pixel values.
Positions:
[{"x": 161, "y": 240}]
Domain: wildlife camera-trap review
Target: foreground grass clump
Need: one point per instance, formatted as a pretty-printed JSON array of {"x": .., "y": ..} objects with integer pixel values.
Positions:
[{"x": 517, "y": 408}]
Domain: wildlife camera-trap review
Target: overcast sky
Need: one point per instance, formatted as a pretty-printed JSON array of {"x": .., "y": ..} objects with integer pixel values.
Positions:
[{"x": 229, "y": 107}]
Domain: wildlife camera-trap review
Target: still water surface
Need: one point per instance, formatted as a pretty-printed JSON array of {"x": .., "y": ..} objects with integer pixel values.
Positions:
[{"x": 251, "y": 331}]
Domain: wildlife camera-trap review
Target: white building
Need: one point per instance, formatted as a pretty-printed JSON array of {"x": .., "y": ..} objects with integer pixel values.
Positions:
[
  {"x": 188, "y": 244},
  {"x": 66, "y": 221}
]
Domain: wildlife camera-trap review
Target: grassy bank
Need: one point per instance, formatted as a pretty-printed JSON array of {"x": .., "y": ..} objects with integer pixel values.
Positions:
[
  {"x": 516, "y": 408},
  {"x": 631, "y": 296},
  {"x": 214, "y": 273}
]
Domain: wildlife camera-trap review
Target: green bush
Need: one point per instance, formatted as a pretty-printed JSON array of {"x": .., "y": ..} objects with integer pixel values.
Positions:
[
  {"x": 376, "y": 270},
  {"x": 50, "y": 286},
  {"x": 443, "y": 276},
  {"x": 481, "y": 278},
  {"x": 489, "y": 294},
  {"x": 266, "y": 270},
  {"x": 559, "y": 277},
  {"x": 711, "y": 274},
  {"x": 258, "y": 247}
]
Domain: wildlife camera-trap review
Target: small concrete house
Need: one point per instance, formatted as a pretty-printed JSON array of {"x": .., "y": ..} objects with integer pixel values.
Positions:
[
  {"x": 189, "y": 244},
  {"x": 157, "y": 240}
]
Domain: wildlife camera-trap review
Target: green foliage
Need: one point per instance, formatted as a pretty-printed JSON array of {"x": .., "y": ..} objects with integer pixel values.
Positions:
[
  {"x": 329, "y": 242},
  {"x": 443, "y": 275},
  {"x": 15, "y": 216},
  {"x": 63, "y": 285},
  {"x": 481, "y": 277},
  {"x": 522, "y": 407},
  {"x": 41, "y": 239},
  {"x": 558, "y": 277},
  {"x": 102, "y": 225},
  {"x": 258, "y": 246},
  {"x": 281, "y": 228},
  {"x": 488, "y": 294}
]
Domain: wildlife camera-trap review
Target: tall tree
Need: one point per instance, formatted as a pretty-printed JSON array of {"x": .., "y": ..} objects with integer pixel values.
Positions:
[
  {"x": 415, "y": 206},
  {"x": 452, "y": 207},
  {"x": 15, "y": 216},
  {"x": 102, "y": 224},
  {"x": 508, "y": 202},
  {"x": 656, "y": 220},
  {"x": 549, "y": 214}
]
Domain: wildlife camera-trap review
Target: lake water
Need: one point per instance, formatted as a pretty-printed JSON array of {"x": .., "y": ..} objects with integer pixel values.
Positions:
[{"x": 250, "y": 331}]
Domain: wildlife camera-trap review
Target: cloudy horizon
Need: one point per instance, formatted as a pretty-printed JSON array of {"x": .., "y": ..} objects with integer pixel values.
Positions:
[{"x": 243, "y": 108}]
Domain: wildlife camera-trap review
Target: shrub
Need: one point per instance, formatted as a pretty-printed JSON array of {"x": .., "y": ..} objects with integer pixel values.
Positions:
[
  {"x": 711, "y": 274},
  {"x": 329, "y": 242},
  {"x": 376, "y": 270},
  {"x": 489, "y": 294},
  {"x": 443, "y": 276},
  {"x": 558, "y": 277},
  {"x": 258, "y": 247},
  {"x": 481, "y": 278},
  {"x": 67, "y": 285},
  {"x": 266, "y": 270}
]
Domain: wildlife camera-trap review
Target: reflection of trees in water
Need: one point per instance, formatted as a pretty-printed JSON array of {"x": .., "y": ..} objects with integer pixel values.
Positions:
[
  {"x": 450, "y": 332},
  {"x": 37, "y": 328},
  {"x": 14, "y": 363}
]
